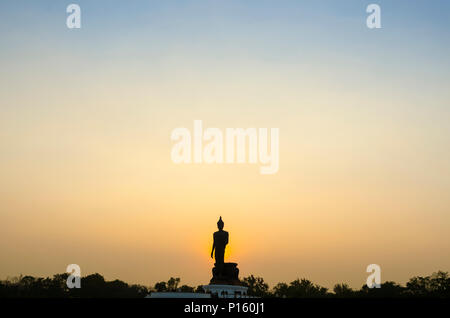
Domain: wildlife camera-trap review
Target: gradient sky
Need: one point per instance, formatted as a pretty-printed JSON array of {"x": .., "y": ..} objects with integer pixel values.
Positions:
[{"x": 86, "y": 116}]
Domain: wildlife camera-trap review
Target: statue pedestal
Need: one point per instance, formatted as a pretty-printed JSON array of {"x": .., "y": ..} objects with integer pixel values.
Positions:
[
  {"x": 225, "y": 282},
  {"x": 225, "y": 274}
]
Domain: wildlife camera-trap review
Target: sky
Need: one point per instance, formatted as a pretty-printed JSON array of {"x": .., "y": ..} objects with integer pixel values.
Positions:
[{"x": 86, "y": 117}]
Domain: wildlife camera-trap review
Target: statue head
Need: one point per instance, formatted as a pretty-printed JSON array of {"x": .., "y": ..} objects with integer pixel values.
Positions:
[{"x": 220, "y": 224}]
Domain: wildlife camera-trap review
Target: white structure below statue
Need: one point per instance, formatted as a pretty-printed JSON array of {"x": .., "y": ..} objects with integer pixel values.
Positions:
[
  {"x": 226, "y": 291},
  {"x": 212, "y": 291}
]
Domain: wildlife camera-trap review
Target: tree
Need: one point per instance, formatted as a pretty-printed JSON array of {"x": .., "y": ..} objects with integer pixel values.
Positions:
[
  {"x": 187, "y": 289},
  {"x": 256, "y": 286},
  {"x": 343, "y": 290},
  {"x": 172, "y": 284},
  {"x": 305, "y": 288},
  {"x": 160, "y": 287},
  {"x": 436, "y": 285},
  {"x": 387, "y": 290},
  {"x": 281, "y": 290},
  {"x": 300, "y": 289}
]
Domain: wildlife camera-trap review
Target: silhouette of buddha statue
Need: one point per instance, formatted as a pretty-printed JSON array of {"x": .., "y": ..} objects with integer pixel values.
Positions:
[
  {"x": 219, "y": 244},
  {"x": 223, "y": 273}
]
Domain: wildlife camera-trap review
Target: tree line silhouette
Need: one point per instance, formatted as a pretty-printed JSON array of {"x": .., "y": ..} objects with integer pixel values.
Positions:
[{"x": 436, "y": 285}]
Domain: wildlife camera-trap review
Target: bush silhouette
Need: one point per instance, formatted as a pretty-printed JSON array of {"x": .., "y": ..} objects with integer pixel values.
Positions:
[{"x": 436, "y": 285}]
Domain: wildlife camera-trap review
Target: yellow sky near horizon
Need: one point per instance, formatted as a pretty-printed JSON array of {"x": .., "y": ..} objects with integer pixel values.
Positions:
[{"x": 91, "y": 182}]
